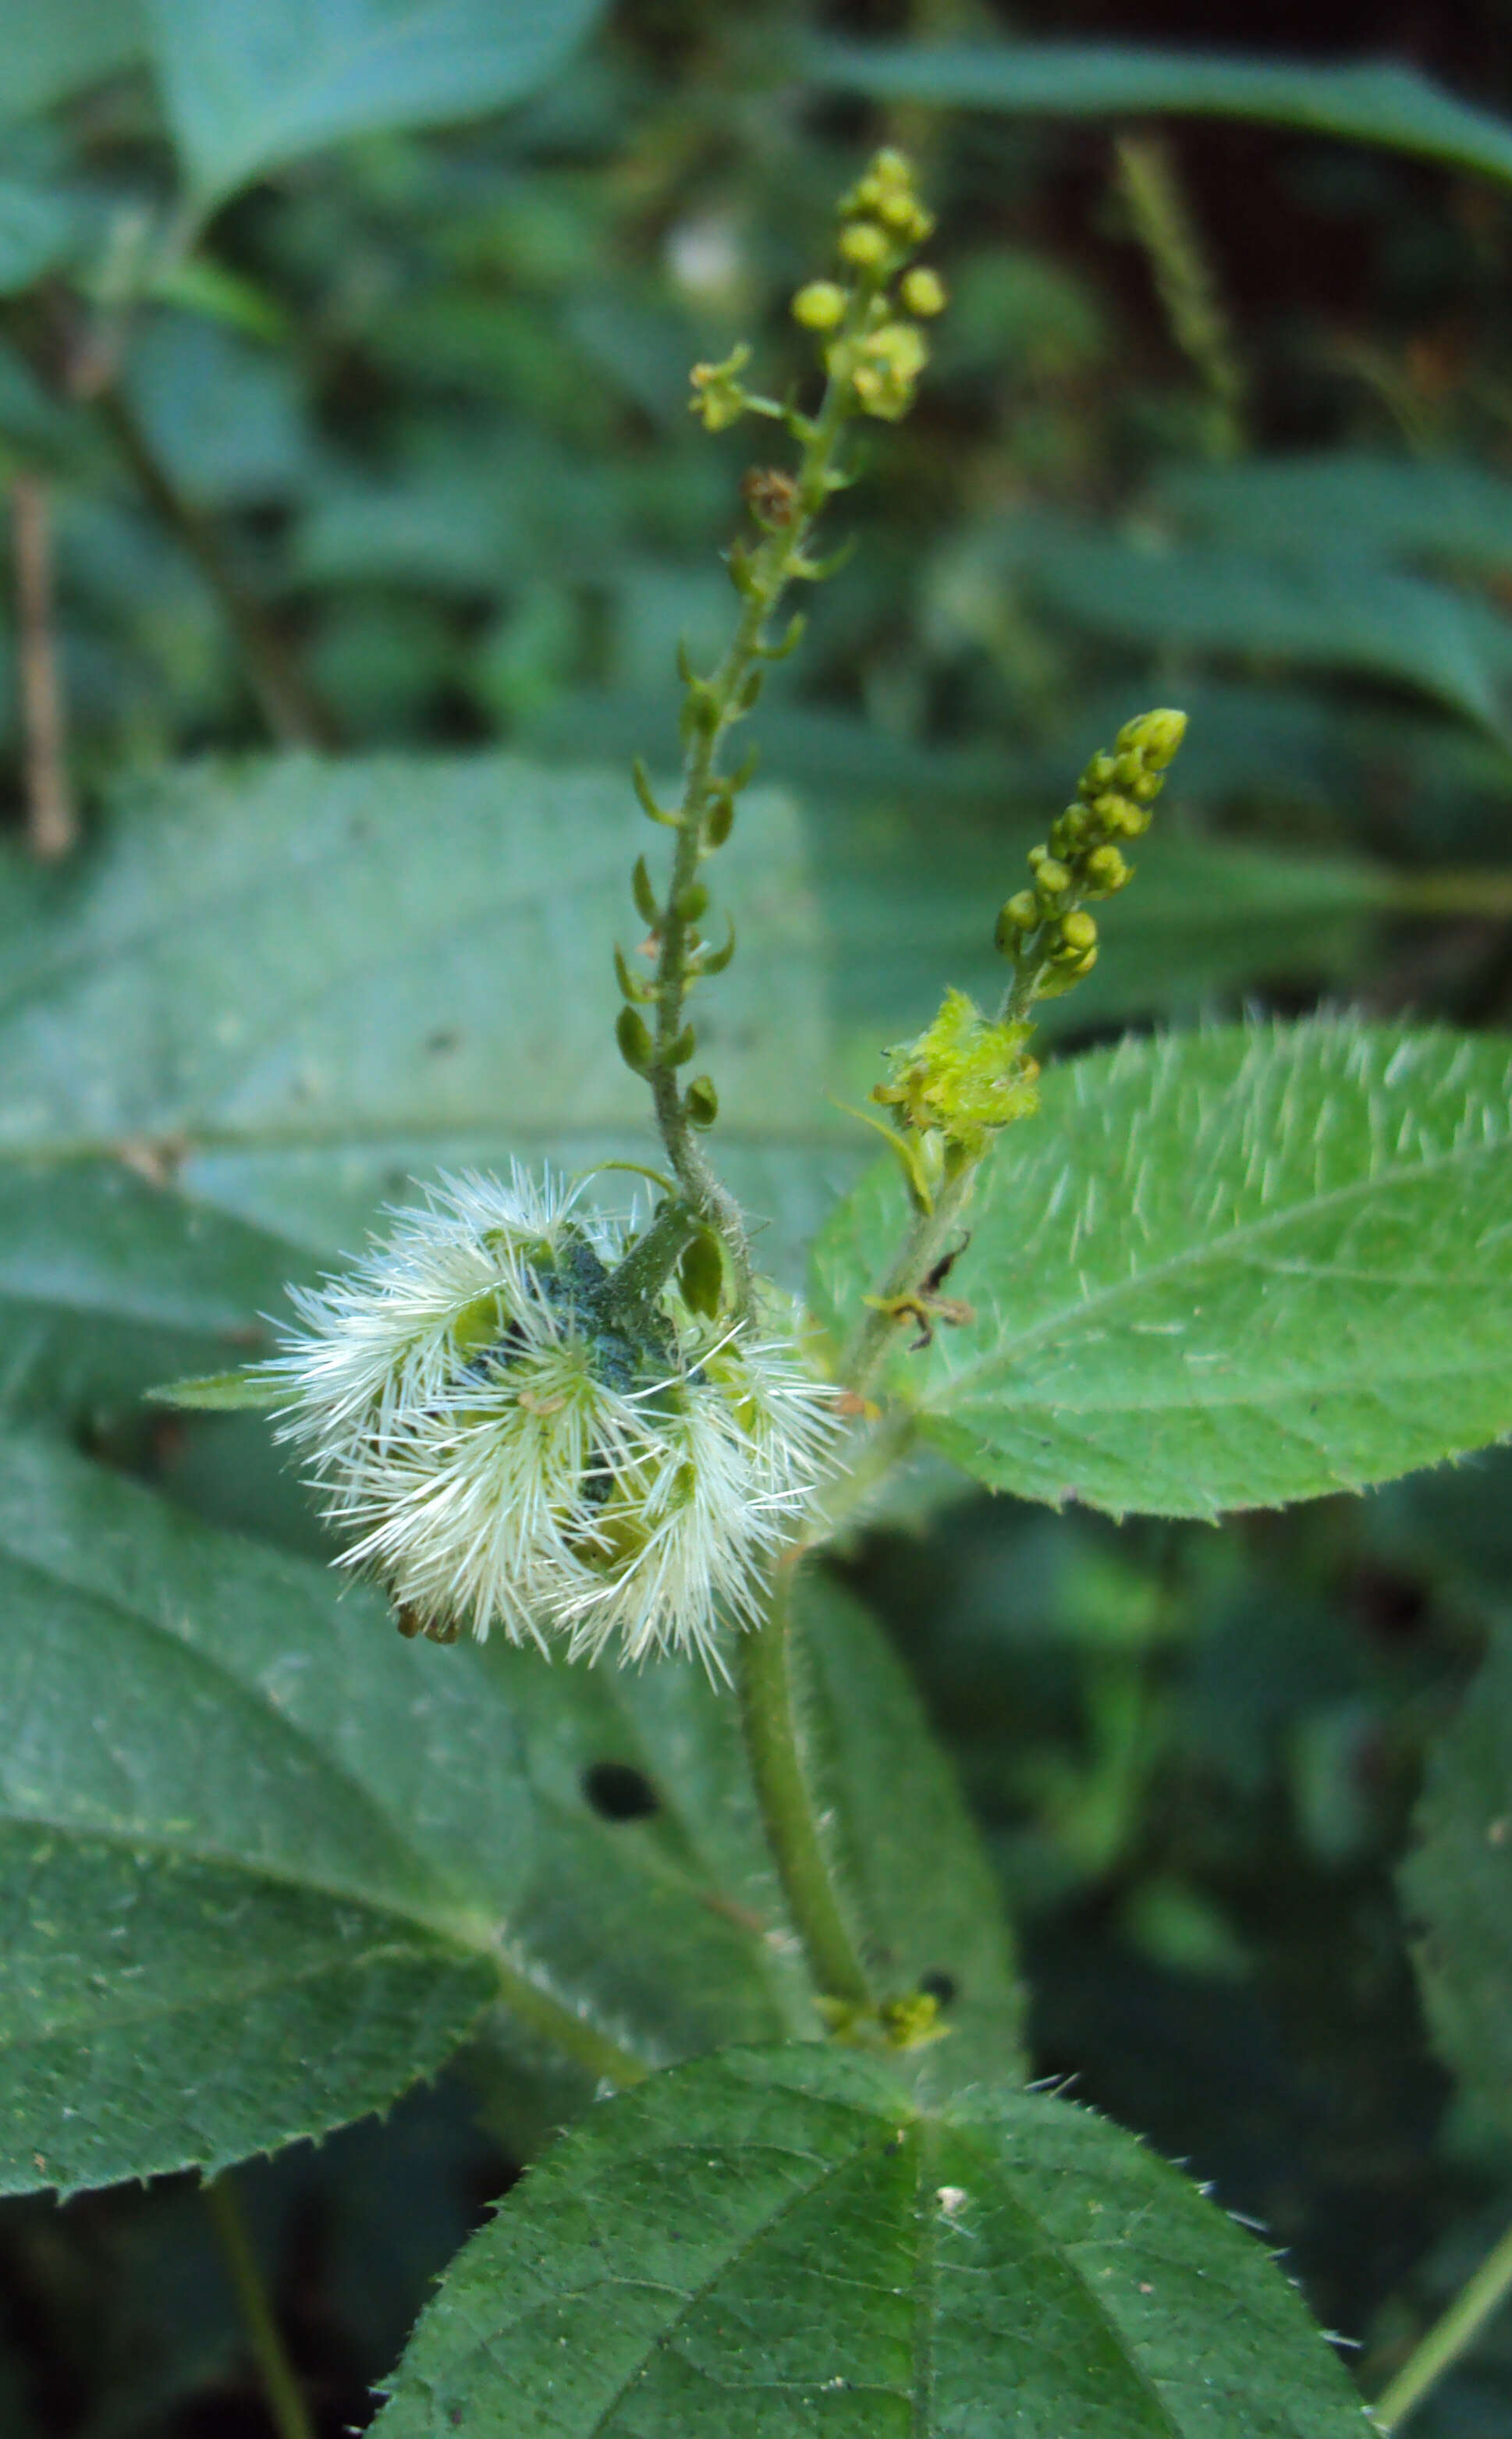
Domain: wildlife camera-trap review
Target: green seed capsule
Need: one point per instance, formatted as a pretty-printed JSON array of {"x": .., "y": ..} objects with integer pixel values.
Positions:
[
  {"x": 702, "y": 1102},
  {"x": 635, "y": 1040}
]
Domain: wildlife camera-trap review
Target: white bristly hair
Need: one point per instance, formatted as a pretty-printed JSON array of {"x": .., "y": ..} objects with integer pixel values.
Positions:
[{"x": 499, "y": 1455}]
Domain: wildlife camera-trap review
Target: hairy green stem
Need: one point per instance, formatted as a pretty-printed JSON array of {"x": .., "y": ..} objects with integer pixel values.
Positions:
[
  {"x": 1455, "y": 2329},
  {"x": 638, "y": 1279},
  {"x": 926, "y": 1244},
  {"x": 294, "y": 714},
  {"x": 719, "y": 702},
  {"x": 774, "y": 1746},
  {"x": 285, "y": 2404}
]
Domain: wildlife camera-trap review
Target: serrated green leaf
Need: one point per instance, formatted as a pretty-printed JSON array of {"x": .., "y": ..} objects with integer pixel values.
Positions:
[
  {"x": 779, "y": 2241},
  {"x": 280, "y": 1860},
  {"x": 1224, "y": 1270},
  {"x": 248, "y": 90},
  {"x": 292, "y": 987},
  {"x": 1457, "y": 1885},
  {"x": 1375, "y": 102}
]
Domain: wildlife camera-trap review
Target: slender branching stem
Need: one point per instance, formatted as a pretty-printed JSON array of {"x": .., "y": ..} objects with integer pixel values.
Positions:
[
  {"x": 293, "y": 713},
  {"x": 774, "y": 1744},
  {"x": 285, "y": 2404},
  {"x": 716, "y": 703},
  {"x": 1456, "y": 2328}
]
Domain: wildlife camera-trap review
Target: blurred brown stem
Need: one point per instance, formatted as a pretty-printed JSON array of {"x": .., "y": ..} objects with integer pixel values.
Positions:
[
  {"x": 294, "y": 715},
  {"x": 52, "y": 826}
]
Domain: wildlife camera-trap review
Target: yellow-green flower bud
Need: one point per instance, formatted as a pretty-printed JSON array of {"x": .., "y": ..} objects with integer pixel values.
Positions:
[
  {"x": 1121, "y": 817},
  {"x": 1078, "y": 933},
  {"x": 923, "y": 291},
  {"x": 865, "y": 245},
  {"x": 1070, "y": 832},
  {"x": 719, "y": 397},
  {"x": 891, "y": 360},
  {"x": 1051, "y": 880},
  {"x": 1156, "y": 735},
  {"x": 898, "y": 213},
  {"x": 892, "y": 168},
  {"x": 1104, "y": 871},
  {"x": 820, "y": 306},
  {"x": 1098, "y": 775},
  {"x": 1021, "y": 914}
]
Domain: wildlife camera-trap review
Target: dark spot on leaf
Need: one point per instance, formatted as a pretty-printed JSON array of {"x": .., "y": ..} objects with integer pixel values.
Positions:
[
  {"x": 939, "y": 1986},
  {"x": 618, "y": 1792}
]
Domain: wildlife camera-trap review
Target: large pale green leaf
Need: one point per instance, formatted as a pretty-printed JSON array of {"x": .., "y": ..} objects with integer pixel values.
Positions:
[
  {"x": 1375, "y": 102},
  {"x": 1420, "y": 507},
  {"x": 1223, "y": 1270},
  {"x": 779, "y": 2241},
  {"x": 293, "y": 985},
  {"x": 1457, "y": 1884},
  {"x": 1338, "y": 608},
  {"x": 247, "y": 89},
  {"x": 52, "y": 52},
  {"x": 265, "y": 1862}
]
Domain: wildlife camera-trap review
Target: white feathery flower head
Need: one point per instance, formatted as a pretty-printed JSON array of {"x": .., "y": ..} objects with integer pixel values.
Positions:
[{"x": 506, "y": 1443}]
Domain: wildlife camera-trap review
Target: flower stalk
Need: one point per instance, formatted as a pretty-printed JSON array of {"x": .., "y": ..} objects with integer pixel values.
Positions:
[
  {"x": 769, "y": 1719},
  {"x": 872, "y": 354}
]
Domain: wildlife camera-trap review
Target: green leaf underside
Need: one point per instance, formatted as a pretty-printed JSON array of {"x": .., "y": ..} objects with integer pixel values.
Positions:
[
  {"x": 294, "y": 986},
  {"x": 1457, "y": 1885},
  {"x": 776, "y": 2242},
  {"x": 248, "y": 89},
  {"x": 1372, "y": 103},
  {"x": 52, "y": 52},
  {"x": 1223, "y": 1270},
  {"x": 267, "y": 1862}
]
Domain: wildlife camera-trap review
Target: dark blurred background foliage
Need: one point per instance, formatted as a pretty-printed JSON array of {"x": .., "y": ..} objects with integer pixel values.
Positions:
[{"x": 1217, "y": 416}]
